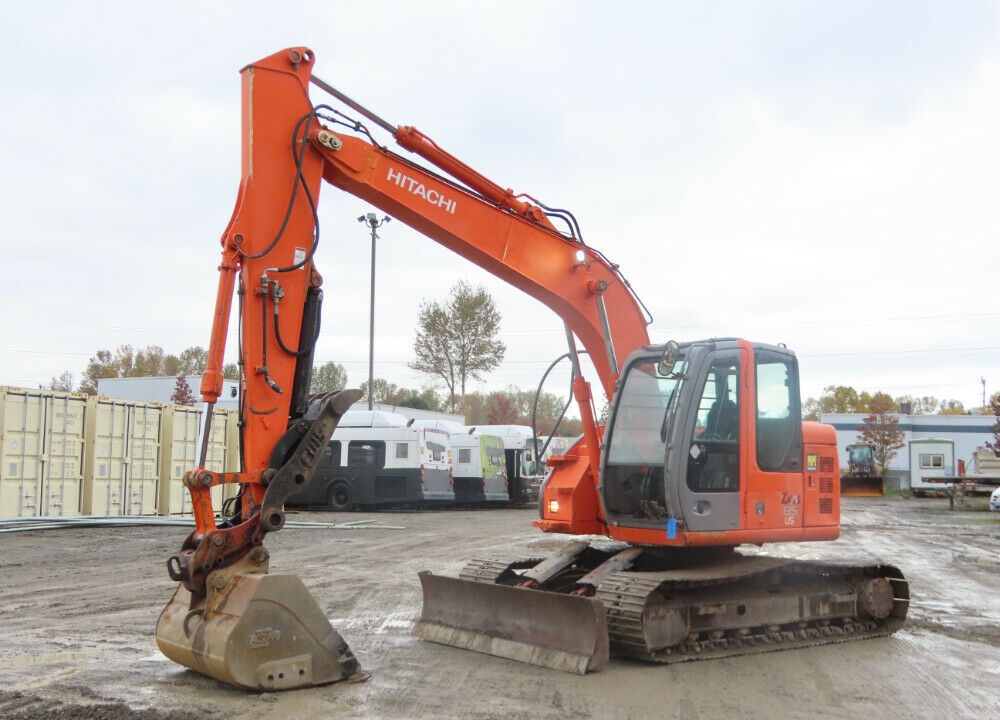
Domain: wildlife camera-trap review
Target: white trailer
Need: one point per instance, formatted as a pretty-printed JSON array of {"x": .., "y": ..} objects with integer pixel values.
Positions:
[{"x": 930, "y": 460}]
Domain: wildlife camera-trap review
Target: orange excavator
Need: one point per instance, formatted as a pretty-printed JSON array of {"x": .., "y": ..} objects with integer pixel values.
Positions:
[{"x": 703, "y": 450}]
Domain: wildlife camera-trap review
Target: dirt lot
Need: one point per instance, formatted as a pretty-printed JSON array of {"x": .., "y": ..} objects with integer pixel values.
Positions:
[{"x": 78, "y": 608}]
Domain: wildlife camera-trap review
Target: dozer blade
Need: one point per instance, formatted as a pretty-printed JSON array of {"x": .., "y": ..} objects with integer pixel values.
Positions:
[
  {"x": 555, "y": 630},
  {"x": 266, "y": 633}
]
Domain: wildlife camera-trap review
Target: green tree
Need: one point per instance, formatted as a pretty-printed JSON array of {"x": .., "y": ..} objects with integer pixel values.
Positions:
[
  {"x": 191, "y": 361},
  {"x": 328, "y": 377},
  {"x": 426, "y": 399},
  {"x": 458, "y": 340},
  {"x": 835, "y": 399},
  {"x": 103, "y": 364},
  {"x": 384, "y": 393},
  {"x": 951, "y": 407},
  {"x": 151, "y": 361},
  {"x": 416, "y": 402},
  {"x": 881, "y": 430}
]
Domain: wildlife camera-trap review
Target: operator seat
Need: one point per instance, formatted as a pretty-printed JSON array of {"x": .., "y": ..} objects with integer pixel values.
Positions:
[{"x": 722, "y": 421}]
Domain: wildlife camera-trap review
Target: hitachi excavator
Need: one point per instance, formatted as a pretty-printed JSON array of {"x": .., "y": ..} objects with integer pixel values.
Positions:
[{"x": 704, "y": 449}]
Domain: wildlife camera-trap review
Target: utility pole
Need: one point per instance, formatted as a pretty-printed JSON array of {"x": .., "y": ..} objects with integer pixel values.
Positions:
[
  {"x": 372, "y": 221},
  {"x": 983, "y": 381}
]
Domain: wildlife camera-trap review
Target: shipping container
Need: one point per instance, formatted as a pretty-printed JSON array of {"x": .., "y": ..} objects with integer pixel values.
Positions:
[
  {"x": 224, "y": 451},
  {"x": 181, "y": 452},
  {"x": 42, "y": 452},
  {"x": 122, "y": 457}
]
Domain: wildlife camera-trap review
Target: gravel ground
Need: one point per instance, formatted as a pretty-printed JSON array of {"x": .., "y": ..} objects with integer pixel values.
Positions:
[{"x": 78, "y": 608}]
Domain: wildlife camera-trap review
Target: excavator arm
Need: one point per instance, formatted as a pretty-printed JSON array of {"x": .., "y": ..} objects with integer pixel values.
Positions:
[{"x": 289, "y": 147}]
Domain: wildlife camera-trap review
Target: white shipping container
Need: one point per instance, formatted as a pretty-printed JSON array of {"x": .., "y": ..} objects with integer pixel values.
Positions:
[
  {"x": 41, "y": 452},
  {"x": 122, "y": 467}
]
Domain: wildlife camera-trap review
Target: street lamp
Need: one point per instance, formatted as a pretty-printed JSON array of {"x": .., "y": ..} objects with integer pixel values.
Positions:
[{"x": 372, "y": 221}]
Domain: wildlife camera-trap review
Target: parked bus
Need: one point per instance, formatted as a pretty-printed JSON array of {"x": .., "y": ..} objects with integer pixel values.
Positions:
[
  {"x": 375, "y": 460},
  {"x": 479, "y": 468},
  {"x": 524, "y": 471}
]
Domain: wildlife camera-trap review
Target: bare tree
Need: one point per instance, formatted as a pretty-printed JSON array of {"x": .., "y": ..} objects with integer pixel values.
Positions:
[
  {"x": 63, "y": 383},
  {"x": 458, "y": 340}
]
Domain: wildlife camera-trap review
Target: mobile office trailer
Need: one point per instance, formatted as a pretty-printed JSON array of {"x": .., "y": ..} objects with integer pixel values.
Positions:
[
  {"x": 931, "y": 459},
  {"x": 479, "y": 468},
  {"x": 375, "y": 460}
]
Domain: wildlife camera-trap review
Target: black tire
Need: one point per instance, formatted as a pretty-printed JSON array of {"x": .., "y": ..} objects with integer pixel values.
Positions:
[{"x": 340, "y": 496}]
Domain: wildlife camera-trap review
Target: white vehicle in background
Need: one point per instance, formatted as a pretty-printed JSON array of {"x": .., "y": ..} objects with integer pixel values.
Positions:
[
  {"x": 525, "y": 471},
  {"x": 479, "y": 468},
  {"x": 995, "y": 500},
  {"x": 375, "y": 459}
]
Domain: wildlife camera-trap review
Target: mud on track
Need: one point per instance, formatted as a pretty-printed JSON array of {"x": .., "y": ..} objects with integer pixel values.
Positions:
[{"x": 78, "y": 608}]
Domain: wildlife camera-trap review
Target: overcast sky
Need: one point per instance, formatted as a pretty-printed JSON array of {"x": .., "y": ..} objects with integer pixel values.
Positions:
[{"x": 824, "y": 175}]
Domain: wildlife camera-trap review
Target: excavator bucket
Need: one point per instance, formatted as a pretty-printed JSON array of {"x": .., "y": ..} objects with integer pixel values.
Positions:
[
  {"x": 555, "y": 630},
  {"x": 249, "y": 628},
  {"x": 266, "y": 632},
  {"x": 861, "y": 486}
]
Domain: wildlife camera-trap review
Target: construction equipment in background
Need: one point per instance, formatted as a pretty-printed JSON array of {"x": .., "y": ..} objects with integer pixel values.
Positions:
[
  {"x": 861, "y": 478},
  {"x": 704, "y": 448}
]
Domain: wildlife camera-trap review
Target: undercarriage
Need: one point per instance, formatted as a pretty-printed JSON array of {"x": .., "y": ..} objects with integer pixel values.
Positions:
[{"x": 658, "y": 605}]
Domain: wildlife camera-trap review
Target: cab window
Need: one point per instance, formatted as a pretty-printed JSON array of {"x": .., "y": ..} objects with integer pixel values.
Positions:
[{"x": 714, "y": 453}]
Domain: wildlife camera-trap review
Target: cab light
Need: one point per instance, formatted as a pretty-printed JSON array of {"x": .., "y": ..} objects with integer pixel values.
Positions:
[{"x": 553, "y": 507}]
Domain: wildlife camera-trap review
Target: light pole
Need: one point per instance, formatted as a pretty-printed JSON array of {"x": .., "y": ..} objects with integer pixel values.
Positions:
[{"x": 372, "y": 221}]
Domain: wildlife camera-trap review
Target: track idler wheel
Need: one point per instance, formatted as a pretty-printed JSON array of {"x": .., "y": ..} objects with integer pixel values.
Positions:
[{"x": 875, "y": 598}]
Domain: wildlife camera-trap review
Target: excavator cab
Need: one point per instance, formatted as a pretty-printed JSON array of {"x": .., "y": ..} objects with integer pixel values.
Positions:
[{"x": 680, "y": 444}]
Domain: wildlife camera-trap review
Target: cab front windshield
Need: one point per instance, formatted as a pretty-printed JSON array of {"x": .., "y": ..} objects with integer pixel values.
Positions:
[
  {"x": 644, "y": 413},
  {"x": 861, "y": 454}
]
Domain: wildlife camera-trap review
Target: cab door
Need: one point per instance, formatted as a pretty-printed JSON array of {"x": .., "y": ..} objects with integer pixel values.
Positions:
[
  {"x": 708, "y": 468},
  {"x": 774, "y": 479}
]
